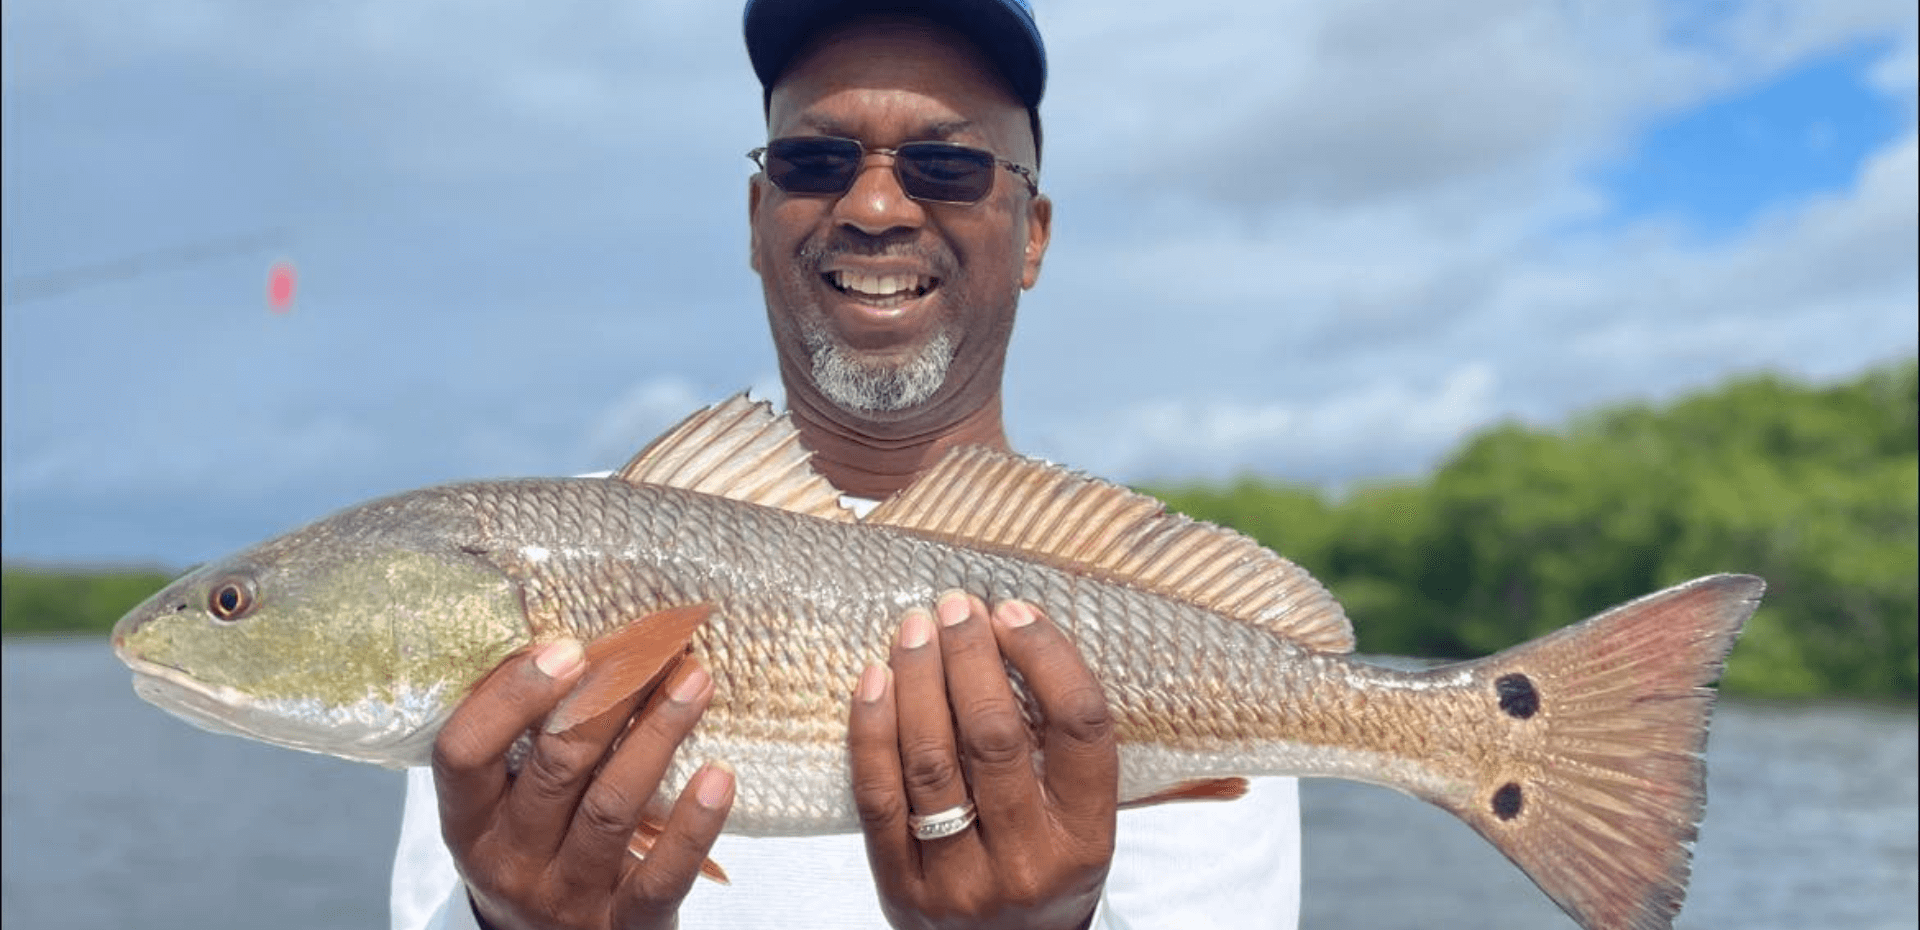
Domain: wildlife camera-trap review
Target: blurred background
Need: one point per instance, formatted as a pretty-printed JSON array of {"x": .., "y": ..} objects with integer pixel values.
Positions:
[{"x": 1490, "y": 313}]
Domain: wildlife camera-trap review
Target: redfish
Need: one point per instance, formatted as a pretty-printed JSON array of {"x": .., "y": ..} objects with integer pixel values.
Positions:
[{"x": 1579, "y": 754}]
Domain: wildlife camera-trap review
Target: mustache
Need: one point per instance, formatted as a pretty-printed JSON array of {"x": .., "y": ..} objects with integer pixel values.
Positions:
[{"x": 817, "y": 252}]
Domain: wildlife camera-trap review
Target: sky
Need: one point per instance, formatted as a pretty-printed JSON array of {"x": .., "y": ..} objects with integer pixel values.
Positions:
[{"x": 1321, "y": 241}]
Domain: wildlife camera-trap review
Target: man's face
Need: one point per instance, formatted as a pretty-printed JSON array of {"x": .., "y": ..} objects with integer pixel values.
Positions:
[{"x": 881, "y": 304}]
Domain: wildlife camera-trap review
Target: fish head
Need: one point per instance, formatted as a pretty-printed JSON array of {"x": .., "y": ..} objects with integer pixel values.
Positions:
[{"x": 354, "y": 636}]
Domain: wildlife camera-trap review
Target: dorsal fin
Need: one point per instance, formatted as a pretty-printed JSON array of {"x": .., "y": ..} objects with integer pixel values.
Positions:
[
  {"x": 738, "y": 449},
  {"x": 982, "y": 497}
]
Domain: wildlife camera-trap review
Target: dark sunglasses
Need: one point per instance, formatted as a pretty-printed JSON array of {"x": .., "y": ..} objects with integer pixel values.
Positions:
[{"x": 933, "y": 172}]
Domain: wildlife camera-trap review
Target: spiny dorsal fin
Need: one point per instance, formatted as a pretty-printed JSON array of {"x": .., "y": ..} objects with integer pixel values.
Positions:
[
  {"x": 979, "y": 496},
  {"x": 738, "y": 449}
]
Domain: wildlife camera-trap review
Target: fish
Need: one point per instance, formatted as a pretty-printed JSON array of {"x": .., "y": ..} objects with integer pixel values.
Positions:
[{"x": 1579, "y": 755}]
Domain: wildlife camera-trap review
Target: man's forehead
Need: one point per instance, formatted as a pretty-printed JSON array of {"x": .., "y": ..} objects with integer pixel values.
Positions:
[{"x": 829, "y": 124}]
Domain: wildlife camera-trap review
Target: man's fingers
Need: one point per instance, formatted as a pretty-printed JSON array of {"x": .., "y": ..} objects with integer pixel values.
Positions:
[
  {"x": 929, "y": 767},
  {"x": 929, "y": 754},
  {"x": 469, "y": 756},
  {"x": 994, "y": 738},
  {"x": 874, "y": 749},
  {"x": 611, "y": 808},
  {"x": 653, "y": 889},
  {"x": 1081, "y": 754},
  {"x": 540, "y": 804}
]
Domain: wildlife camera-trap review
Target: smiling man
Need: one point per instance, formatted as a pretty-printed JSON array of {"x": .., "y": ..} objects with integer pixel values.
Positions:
[
  {"x": 895, "y": 221},
  {"x": 894, "y": 227}
]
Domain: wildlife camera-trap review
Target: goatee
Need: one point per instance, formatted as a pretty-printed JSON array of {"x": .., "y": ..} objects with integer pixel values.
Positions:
[{"x": 855, "y": 383}]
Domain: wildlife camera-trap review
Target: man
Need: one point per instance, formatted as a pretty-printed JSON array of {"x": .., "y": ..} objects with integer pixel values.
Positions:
[{"x": 891, "y": 270}]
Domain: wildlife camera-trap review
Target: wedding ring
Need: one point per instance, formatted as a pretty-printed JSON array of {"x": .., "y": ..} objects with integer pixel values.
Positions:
[{"x": 944, "y": 823}]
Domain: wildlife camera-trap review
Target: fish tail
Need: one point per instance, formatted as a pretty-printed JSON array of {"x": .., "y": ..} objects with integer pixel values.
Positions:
[{"x": 1600, "y": 792}]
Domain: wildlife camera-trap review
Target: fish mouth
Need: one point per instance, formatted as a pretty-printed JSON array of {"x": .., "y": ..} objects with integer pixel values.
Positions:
[
  {"x": 374, "y": 731},
  {"x": 214, "y": 708}
]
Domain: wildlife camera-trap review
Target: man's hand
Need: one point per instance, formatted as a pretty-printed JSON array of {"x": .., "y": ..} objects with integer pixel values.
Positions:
[
  {"x": 945, "y": 728},
  {"x": 547, "y": 848}
]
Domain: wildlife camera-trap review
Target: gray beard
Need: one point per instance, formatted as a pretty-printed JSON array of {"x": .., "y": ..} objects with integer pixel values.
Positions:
[{"x": 856, "y": 384}]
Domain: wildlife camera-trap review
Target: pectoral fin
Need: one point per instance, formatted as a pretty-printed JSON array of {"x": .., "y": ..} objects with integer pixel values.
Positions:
[{"x": 627, "y": 661}]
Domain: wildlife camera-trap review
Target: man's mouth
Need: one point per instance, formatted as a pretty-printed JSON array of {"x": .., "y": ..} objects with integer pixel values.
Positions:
[{"x": 881, "y": 290}]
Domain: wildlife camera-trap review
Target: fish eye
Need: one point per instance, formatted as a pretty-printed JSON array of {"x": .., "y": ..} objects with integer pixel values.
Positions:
[{"x": 231, "y": 599}]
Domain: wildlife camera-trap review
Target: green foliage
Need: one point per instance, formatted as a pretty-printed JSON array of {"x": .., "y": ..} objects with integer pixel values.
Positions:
[
  {"x": 37, "y": 600},
  {"x": 1524, "y": 530}
]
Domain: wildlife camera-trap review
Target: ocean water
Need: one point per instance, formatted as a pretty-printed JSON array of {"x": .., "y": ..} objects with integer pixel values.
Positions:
[{"x": 118, "y": 815}]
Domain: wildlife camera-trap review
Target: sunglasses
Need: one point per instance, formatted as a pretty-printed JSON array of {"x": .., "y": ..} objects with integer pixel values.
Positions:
[{"x": 932, "y": 172}]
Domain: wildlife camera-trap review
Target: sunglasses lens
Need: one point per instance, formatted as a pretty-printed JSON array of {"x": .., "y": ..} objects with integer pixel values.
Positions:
[
  {"x": 813, "y": 166},
  {"x": 946, "y": 173}
]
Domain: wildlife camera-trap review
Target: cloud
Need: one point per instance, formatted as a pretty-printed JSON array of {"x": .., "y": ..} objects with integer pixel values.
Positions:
[
  {"x": 1238, "y": 318},
  {"x": 1398, "y": 421},
  {"x": 1308, "y": 106},
  {"x": 644, "y": 412}
]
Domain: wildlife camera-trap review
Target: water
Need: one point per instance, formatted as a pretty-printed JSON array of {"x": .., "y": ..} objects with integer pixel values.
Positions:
[{"x": 117, "y": 815}]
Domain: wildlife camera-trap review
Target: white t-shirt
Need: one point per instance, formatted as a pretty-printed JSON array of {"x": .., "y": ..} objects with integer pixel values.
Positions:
[{"x": 1204, "y": 865}]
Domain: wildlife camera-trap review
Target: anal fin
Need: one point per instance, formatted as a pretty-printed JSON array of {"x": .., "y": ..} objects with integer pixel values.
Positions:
[
  {"x": 1198, "y": 789},
  {"x": 627, "y": 661},
  {"x": 649, "y": 832}
]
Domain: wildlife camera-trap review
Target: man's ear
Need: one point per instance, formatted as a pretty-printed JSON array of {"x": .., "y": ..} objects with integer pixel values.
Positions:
[
  {"x": 753, "y": 223},
  {"x": 1039, "y": 233}
]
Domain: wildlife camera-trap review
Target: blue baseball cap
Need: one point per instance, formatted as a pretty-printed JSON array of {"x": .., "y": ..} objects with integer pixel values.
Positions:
[{"x": 1003, "y": 29}]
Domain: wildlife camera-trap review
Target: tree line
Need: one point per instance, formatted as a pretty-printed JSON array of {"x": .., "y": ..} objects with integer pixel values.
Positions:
[{"x": 1523, "y": 530}]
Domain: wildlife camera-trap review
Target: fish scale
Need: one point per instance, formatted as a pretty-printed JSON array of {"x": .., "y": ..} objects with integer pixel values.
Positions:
[
  {"x": 1579, "y": 754},
  {"x": 782, "y": 632}
]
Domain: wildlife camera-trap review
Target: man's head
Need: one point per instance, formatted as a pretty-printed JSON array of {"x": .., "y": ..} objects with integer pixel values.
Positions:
[{"x": 886, "y": 305}]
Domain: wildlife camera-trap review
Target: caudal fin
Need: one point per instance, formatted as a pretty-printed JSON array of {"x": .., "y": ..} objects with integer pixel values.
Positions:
[{"x": 1601, "y": 798}]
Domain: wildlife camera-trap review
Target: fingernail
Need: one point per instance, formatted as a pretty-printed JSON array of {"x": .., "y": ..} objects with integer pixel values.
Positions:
[
  {"x": 716, "y": 785},
  {"x": 687, "y": 689},
  {"x": 916, "y": 628},
  {"x": 873, "y": 683},
  {"x": 559, "y": 658},
  {"x": 1015, "y": 614},
  {"x": 954, "y": 606}
]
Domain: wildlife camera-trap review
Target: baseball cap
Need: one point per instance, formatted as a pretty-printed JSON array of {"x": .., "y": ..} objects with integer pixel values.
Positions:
[{"x": 1004, "y": 29}]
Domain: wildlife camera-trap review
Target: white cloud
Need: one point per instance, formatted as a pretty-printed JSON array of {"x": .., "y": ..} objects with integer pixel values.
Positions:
[
  {"x": 645, "y": 411},
  {"x": 1388, "y": 420},
  {"x": 1332, "y": 239}
]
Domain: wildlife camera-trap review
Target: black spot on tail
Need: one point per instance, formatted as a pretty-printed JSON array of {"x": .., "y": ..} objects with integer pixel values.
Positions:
[
  {"x": 1507, "y": 801},
  {"x": 1517, "y": 696}
]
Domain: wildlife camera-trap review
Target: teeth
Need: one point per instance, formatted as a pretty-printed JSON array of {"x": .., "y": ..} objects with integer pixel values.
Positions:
[{"x": 889, "y": 285}]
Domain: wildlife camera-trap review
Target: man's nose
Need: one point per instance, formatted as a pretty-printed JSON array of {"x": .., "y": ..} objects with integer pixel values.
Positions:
[{"x": 875, "y": 204}]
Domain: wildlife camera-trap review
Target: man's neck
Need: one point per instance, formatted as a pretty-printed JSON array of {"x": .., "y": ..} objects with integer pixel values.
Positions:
[{"x": 865, "y": 461}]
